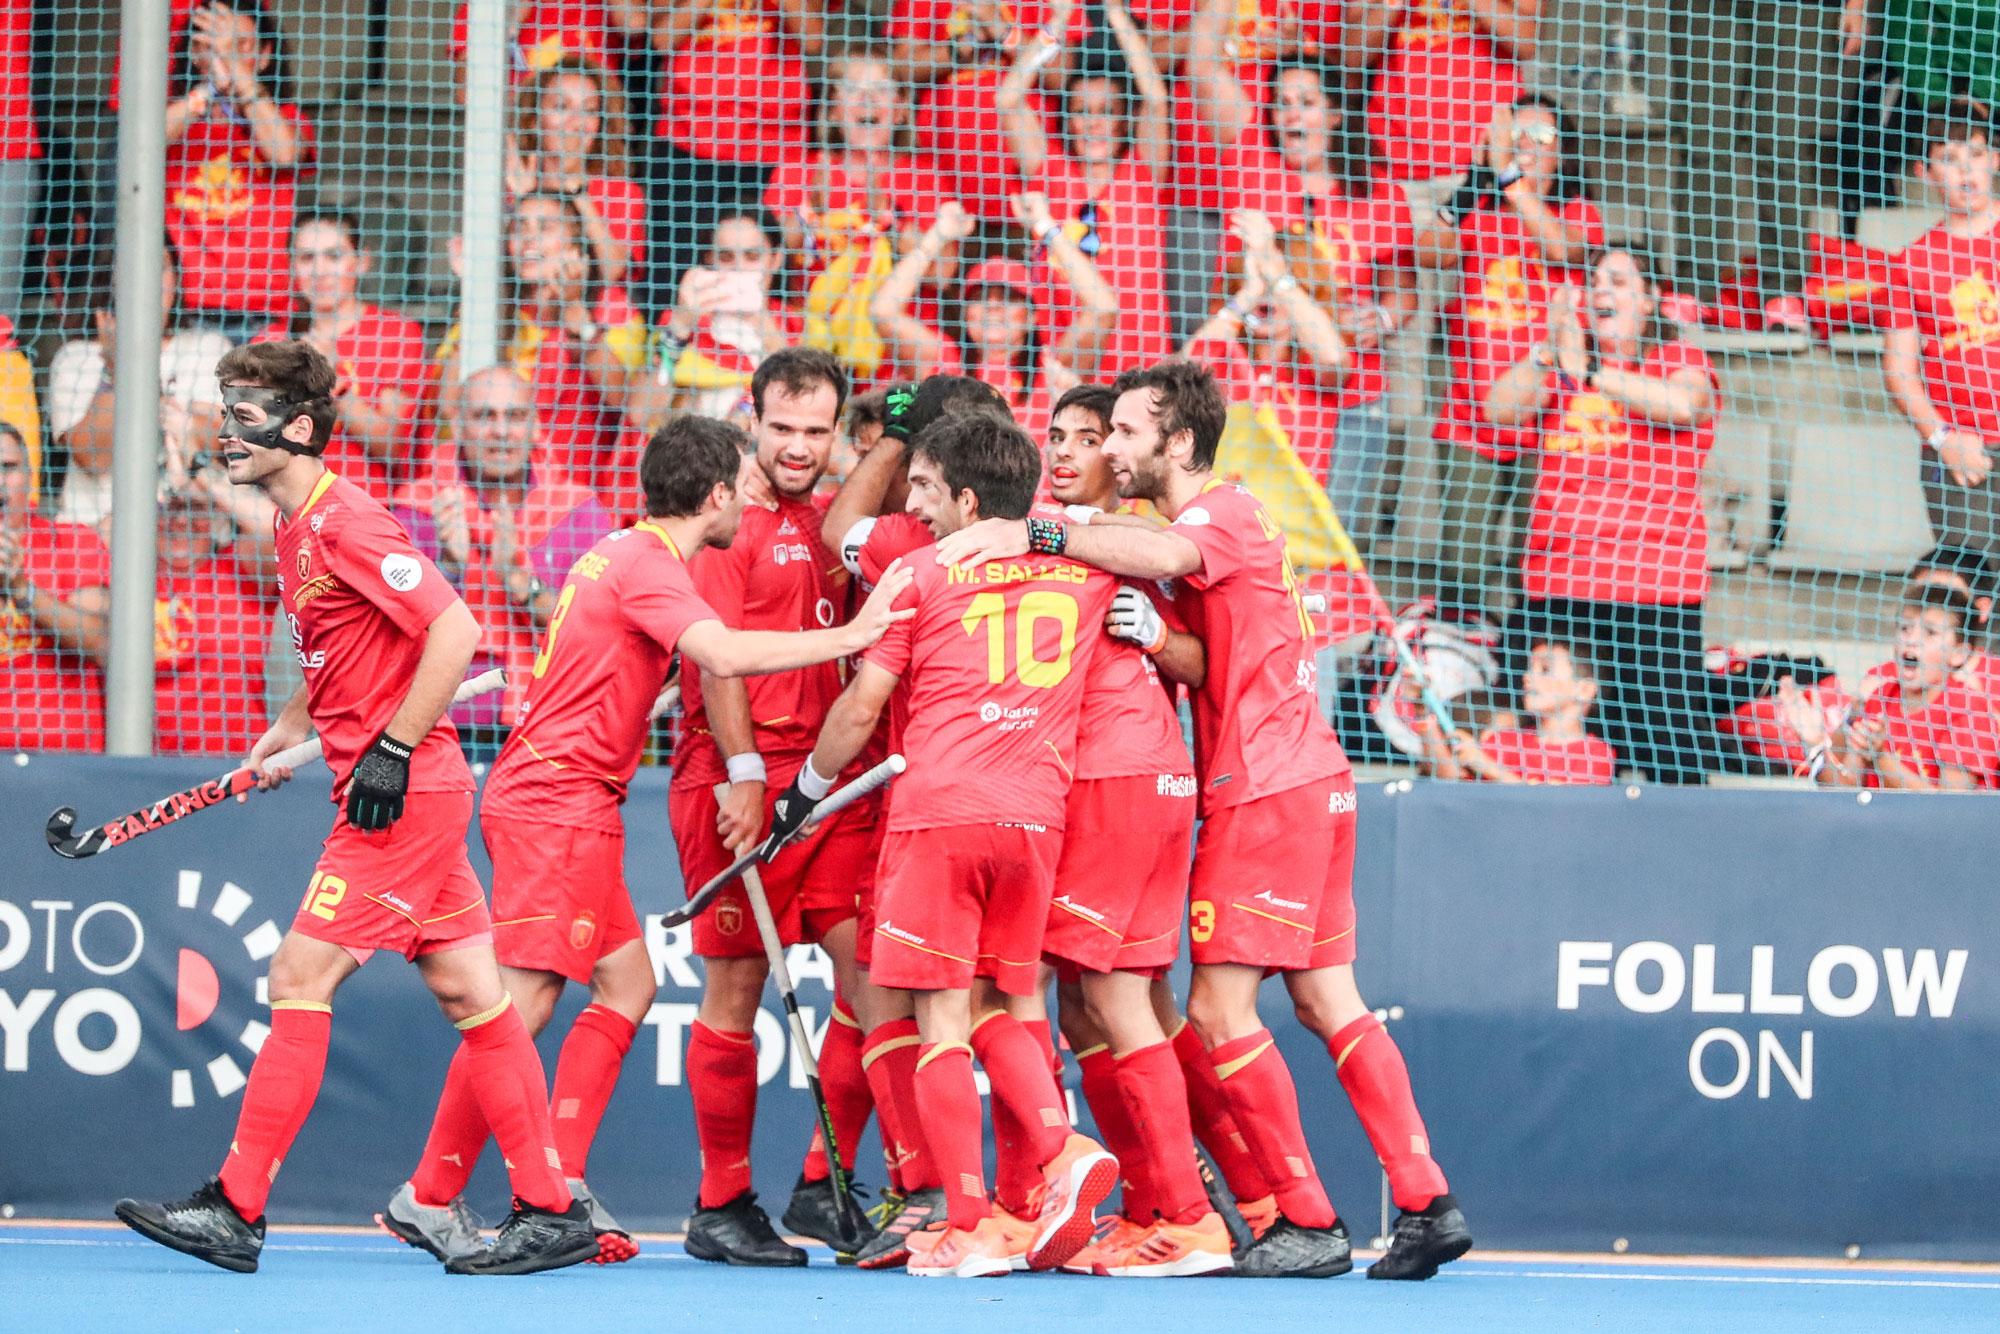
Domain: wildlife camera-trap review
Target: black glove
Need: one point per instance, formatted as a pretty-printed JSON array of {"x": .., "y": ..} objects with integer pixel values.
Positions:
[
  {"x": 375, "y": 789},
  {"x": 1477, "y": 191},
  {"x": 898, "y": 412},
  {"x": 789, "y": 815}
]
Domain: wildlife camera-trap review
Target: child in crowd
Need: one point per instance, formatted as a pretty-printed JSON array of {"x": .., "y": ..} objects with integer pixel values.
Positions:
[{"x": 1558, "y": 689}]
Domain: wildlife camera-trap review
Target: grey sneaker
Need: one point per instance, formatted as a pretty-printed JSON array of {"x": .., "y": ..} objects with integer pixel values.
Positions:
[
  {"x": 614, "y": 1243},
  {"x": 449, "y": 1233}
]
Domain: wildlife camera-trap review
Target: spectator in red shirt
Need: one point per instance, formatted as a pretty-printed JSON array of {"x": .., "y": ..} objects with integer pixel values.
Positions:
[
  {"x": 1103, "y": 176},
  {"x": 1317, "y": 180},
  {"x": 735, "y": 104},
  {"x": 547, "y": 32},
  {"x": 1519, "y": 225},
  {"x": 847, "y": 210},
  {"x": 575, "y": 340},
  {"x": 1440, "y": 67},
  {"x": 1941, "y": 355},
  {"x": 1617, "y": 548},
  {"x": 1558, "y": 689},
  {"x": 54, "y": 597},
  {"x": 726, "y": 319},
  {"x": 1923, "y": 731},
  {"x": 570, "y": 141},
  {"x": 378, "y": 354},
  {"x": 997, "y": 338},
  {"x": 1971, "y": 577},
  {"x": 20, "y": 147},
  {"x": 506, "y": 535},
  {"x": 236, "y": 150}
]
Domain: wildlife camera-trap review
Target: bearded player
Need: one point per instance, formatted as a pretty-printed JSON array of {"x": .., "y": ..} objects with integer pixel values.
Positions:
[
  {"x": 753, "y": 736},
  {"x": 1276, "y": 795},
  {"x": 994, "y": 663},
  {"x": 550, "y": 816},
  {"x": 383, "y": 642}
]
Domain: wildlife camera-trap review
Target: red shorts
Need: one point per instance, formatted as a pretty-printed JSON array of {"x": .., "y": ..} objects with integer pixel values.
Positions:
[
  {"x": 1122, "y": 882},
  {"x": 962, "y": 902},
  {"x": 812, "y": 887},
  {"x": 408, "y": 888},
  {"x": 1273, "y": 882},
  {"x": 864, "y": 907},
  {"x": 559, "y": 897}
]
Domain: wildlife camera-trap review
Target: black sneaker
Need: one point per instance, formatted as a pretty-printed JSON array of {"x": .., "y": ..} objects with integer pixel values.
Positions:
[
  {"x": 815, "y": 1212},
  {"x": 204, "y": 1225},
  {"x": 1220, "y": 1200},
  {"x": 1290, "y": 1251},
  {"x": 922, "y": 1210},
  {"x": 532, "y": 1240},
  {"x": 739, "y": 1233},
  {"x": 1424, "y": 1242}
]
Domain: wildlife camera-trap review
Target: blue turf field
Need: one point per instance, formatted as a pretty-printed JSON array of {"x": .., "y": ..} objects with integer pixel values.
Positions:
[{"x": 80, "y": 1278}]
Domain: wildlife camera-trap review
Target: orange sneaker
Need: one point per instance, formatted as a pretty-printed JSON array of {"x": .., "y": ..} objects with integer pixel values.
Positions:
[
  {"x": 1259, "y": 1215},
  {"x": 1020, "y": 1233},
  {"x": 984, "y": 1252},
  {"x": 1079, "y": 1179},
  {"x": 1174, "y": 1250},
  {"x": 1114, "y": 1236}
]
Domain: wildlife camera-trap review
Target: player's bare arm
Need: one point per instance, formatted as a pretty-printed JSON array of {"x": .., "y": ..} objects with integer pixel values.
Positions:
[
  {"x": 449, "y": 644},
  {"x": 720, "y": 651},
  {"x": 851, "y": 720},
  {"x": 740, "y": 819},
  {"x": 861, "y": 494},
  {"x": 293, "y": 725},
  {"x": 1130, "y": 550}
]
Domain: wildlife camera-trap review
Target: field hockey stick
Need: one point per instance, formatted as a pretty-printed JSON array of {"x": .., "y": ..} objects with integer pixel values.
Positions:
[
  {"x": 1316, "y": 605},
  {"x": 668, "y": 698},
  {"x": 836, "y": 800},
  {"x": 179, "y": 805}
]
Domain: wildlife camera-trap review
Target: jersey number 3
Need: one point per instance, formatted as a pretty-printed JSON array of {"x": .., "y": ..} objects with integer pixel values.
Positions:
[{"x": 990, "y": 610}]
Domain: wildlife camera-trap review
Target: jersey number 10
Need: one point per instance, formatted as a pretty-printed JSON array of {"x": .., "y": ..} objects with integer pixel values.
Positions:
[{"x": 990, "y": 610}]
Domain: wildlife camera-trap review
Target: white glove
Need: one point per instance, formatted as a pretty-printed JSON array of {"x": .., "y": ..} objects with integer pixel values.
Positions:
[
  {"x": 1081, "y": 513},
  {"x": 1135, "y": 619}
]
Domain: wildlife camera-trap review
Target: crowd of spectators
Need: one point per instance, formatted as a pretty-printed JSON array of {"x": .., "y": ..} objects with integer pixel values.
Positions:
[{"x": 1304, "y": 195}]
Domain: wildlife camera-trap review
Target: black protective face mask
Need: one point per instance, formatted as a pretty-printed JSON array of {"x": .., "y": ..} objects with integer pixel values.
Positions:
[{"x": 279, "y": 412}]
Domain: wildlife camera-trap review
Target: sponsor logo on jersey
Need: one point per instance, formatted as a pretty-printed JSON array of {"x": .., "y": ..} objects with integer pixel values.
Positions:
[
  {"x": 1194, "y": 516},
  {"x": 1340, "y": 802},
  {"x": 891, "y": 929},
  {"x": 784, "y": 553},
  {"x": 1067, "y": 902},
  {"x": 1268, "y": 897},
  {"x": 317, "y": 522},
  {"x": 309, "y": 661},
  {"x": 1006, "y": 718},
  {"x": 729, "y": 918},
  {"x": 305, "y": 559},
  {"x": 402, "y": 572},
  {"x": 1175, "y": 785},
  {"x": 313, "y": 588},
  {"x": 787, "y": 527},
  {"x": 397, "y": 903}
]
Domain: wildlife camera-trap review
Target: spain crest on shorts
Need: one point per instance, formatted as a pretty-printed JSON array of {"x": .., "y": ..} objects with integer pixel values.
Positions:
[
  {"x": 728, "y": 918},
  {"x": 581, "y": 928}
]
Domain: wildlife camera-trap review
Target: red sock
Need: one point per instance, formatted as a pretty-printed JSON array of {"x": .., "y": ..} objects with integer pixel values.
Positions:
[
  {"x": 1266, "y": 1104},
  {"x": 888, "y": 1114},
  {"x": 901, "y": 1050},
  {"x": 458, "y": 1136},
  {"x": 1099, "y": 1070},
  {"x": 950, "y": 1101},
  {"x": 1039, "y": 1030},
  {"x": 284, "y": 1080},
  {"x": 1214, "y": 1124},
  {"x": 506, "y": 1075},
  {"x": 1371, "y": 1069},
  {"x": 1018, "y": 1070},
  {"x": 1155, "y": 1096},
  {"x": 722, "y": 1080},
  {"x": 848, "y": 1097},
  {"x": 586, "y": 1073}
]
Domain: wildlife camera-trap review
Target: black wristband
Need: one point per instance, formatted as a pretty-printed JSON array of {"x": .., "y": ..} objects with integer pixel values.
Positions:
[
  {"x": 1474, "y": 193},
  {"x": 1048, "y": 537},
  {"x": 1592, "y": 364}
]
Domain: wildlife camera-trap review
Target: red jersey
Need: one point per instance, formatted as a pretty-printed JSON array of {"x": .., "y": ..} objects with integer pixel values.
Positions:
[
  {"x": 18, "y": 139},
  {"x": 1129, "y": 727},
  {"x": 774, "y": 576},
  {"x": 589, "y": 709},
  {"x": 1588, "y": 760},
  {"x": 52, "y": 698},
  {"x": 1435, "y": 91},
  {"x": 1947, "y": 288},
  {"x": 1257, "y": 727},
  {"x": 1497, "y": 316},
  {"x": 211, "y": 629},
  {"x": 381, "y": 351},
  {"x": 359, "y": 598},
  {"x": 1122, "y": 230},
  {"x": 995, "y": 662},
  {"x": 1262, "y": 30},
  {"x": 1353, "y": 236},
  {"x": 956, "y": 120},
  {"x": 1617, "y": 507},
  {"x": 871, "y": 545},
  {"x": 229, "y": 214},
  {"x": 1956, "y": 728},
  {"x": 736, "y": 91},
  {"x": 549, "y": 31},
  {"x": 1305, "y": 398}
]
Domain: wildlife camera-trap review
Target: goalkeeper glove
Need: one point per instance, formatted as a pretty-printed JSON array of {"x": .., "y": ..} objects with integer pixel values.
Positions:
[
  {"x": 375, "y": 789},
  {"x": 1136, "y": 620}
]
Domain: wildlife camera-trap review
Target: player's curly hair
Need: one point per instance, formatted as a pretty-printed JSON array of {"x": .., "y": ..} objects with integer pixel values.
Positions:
[
  {"x": 1185, "y": 398},
  {"x": 686, "y": 460},
  {"x": 798, "y": 370},
  {"x": 296, "y": 369},
  {"x": 988, "y": 455}
]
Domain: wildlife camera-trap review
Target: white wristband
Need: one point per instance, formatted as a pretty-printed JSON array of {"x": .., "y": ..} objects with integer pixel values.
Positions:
[
  {"x": 1048, "y": 232},
  {"x": 1081, "y": 513},
  {"x": 812, "y": 784},
  {"x": 746, "y": 768},
  {"x": 1937, "y": 438}
]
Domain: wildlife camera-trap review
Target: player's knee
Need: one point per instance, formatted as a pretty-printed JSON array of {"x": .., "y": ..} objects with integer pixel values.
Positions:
[
  {"x": 731, "y": 993},
  {"x": 300, "y": 975},
  {"x": 1317, "y": 1015},
  {"x": 626, "y": 988},
  {"x": 1213, "y": 1017}
]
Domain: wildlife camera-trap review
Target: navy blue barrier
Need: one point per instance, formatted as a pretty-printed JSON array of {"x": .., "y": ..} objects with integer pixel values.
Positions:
[{"x": 1757, "y": 1022}]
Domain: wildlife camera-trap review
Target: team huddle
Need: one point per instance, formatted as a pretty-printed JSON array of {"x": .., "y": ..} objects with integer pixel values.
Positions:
[{"x": 1021, "y": 621}]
